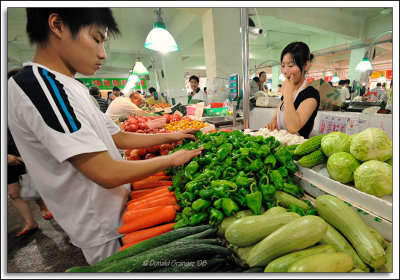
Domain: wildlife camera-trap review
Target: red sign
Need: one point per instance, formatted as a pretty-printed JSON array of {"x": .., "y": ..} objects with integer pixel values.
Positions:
[
  {"x": 115, "y": 83},
  {"x": 389, "y": 74},
  {"x": 97, "y": 82},
  {"x": 124, "y": 82},
  {"x": 310, "y": 80},
  {"x": 328, "y": 78},
  {"x": 106, "y": 83}
]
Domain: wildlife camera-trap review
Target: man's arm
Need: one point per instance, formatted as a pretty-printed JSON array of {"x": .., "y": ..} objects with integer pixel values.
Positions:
[
  {"x": 130, "y": 140},
  {"x": 109, "y": 173}
]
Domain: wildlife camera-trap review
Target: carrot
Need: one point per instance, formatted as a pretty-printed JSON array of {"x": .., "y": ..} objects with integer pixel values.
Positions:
[
  {"x": 133, "y": 214},
  {"x": 149, "y": 199},
  {"x": 154, "y": 178},
  {"x": 150, "y": 196},
  {"x": 146, "y": 233},
  {"x": 153, "y": 194},
  {"x": 168, "y": 200},
  {"x": 129, "y": 245},
  {"x": 162, "y": 215},
  {"x": 150, "y": 184},
  {"x": 161, "y": 173},
  {"x": 140, "y": 193}
]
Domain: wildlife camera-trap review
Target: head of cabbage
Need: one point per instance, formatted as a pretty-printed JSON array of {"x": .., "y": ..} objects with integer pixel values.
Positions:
[
  {"x": 374, "y": 177},
  {"x": 371, "y": 143},
  {"x": 335, "y": 142},
  {"x": 341, "y": 166}
]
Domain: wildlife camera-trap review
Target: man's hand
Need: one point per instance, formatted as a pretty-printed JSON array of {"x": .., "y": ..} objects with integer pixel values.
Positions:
[
  {"x": 183, "y": 156},
  {"x": 182, "y": 134},
  {"x": 14, "y": 160}
]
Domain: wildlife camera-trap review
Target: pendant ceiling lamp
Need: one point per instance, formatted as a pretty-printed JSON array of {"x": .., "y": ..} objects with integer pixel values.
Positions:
[
  {"x": 365, "y": 64},
  {"x": 159, "y": 39},
  {"x": 382, "y": 79},
  {"x": 335, "y": 79}
]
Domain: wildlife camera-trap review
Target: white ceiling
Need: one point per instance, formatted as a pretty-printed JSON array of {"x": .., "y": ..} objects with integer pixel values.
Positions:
[{"x": 325, "y": 30}]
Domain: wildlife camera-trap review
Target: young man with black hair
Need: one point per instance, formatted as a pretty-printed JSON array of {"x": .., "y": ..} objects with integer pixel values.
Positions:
[
  {"x": 95, "y": 92},
  {"x": 196, "y": 93},
  {"x": 117, "y": 92},
  {"x": 68, "y": 145}
]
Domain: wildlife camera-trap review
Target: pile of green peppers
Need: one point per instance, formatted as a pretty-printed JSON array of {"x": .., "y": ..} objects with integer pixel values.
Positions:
[{"x": 234, "y": 172}]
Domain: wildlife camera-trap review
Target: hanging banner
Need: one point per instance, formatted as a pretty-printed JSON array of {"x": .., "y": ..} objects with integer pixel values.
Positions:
[
  {"x": 328, "y": 78},
  {"x": 389, "y": 74},
  {"x": 377, "y": 74},
  {"x": 104, "y": 84},
  {"x": 309, "y": 80}
]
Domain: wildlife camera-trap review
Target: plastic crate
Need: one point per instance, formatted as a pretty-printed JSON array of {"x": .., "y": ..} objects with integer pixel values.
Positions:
[
  {"x": 214, "y": 112},
  {"x": 190, "y": 110},
  {"x": 216, "y": 105}
]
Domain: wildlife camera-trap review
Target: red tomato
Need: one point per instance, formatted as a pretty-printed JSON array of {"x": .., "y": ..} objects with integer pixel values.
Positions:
[
  {"x": 173, "y": 144},
  {"x": 153, "y": 117},
  {"x": 142, "y": 126},
  {"x": 175, "y": 118},
  {"x": 132, "y": 128},
  {"x": 153, "y": 149},
  {"x": 140, "y": 131},
  {"x": 142, "y": 152},
  {"x": 165, "y": 148},
  {"x": 149, "y": 156},
  {"x": 134, "y": 152},
  {"x": 133, "y": 121},
  {"x": 128, "y": 152},
  {"x": 134, "y": 157}
]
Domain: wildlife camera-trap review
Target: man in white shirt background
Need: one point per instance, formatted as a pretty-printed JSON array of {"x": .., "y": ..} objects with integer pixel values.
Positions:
[
  {"x": 124, "y": 106},
  {"x": 196, "y": 93}
]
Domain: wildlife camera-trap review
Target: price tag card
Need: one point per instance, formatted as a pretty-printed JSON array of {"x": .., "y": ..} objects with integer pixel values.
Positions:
[
  {"x": 167, "y": 110},
  {"x": 352, "y": 126},
  {"x": 199, "y": 110}
]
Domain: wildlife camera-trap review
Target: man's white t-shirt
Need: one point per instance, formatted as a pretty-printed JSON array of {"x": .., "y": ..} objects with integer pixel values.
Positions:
[
  {"x": 122, "y": 107},
  {"x": 52, "y": 119}
]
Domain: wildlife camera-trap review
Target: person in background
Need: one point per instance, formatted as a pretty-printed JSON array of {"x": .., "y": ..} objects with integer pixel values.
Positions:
[
  {"x": 16, "y": 168},
  {"x": 125, "y": 106},
  {"x": 279, "y": 88},
  {"x": 69, "y": 147},
  {"x": 95, "y": 92},
  {"x": 205, "y": 90},
  {"x": 117, "y": 92},
  {"x": 344, "y": 90},
  {"x": 263, "y": 78},
  {"x": 152, "y": 91},
  {"x": 109, "y": 97},
  {"x": 254, "y": 86},
  {"x": 380, "y": 93},
  {"x": 196, "y": 92},
  {"x": 299, "y": 104}
]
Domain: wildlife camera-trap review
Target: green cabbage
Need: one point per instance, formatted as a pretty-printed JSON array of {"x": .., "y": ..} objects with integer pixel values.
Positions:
[
  {"x": 371, "y": 143},
  {"x": 341, "y": 166},
  {"x": 335, "y": 142},
  {"x": 374, "y": 177}
]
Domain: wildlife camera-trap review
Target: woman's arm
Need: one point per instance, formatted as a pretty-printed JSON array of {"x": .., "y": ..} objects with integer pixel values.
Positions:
[
  {"x": 130, "y": 140},
  {"x": 273, "y": 124},
  {"x": 296, "y": 119}
]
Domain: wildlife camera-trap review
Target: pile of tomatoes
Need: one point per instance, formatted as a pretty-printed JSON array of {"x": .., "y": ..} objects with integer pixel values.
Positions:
[
  {"x": 138, "y": 123},
  {"x": 150, "y": 152}
]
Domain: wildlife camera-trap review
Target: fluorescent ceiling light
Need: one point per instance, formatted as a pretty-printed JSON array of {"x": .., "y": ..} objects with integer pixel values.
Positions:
[
  {"x": 159, "y": 39},
  {"x": 140, "y": 69},
  {"x": 364, "y": 65}
]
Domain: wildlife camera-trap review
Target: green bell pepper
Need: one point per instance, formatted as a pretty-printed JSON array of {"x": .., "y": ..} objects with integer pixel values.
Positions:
[
  {"x": 218, "y": 204},
  {"x": 187, "y": 212},
  {"x": 192, "y": 167},
  {"x": 219, "y": 191},
  {"x": 311, "y": 212},
  {"x": 270, "y": 161},
  {"x": 243, "y": 181},
  {"x": 181, "y": 223},
  {"x": 276, "y": 178},
  {"x": 200, "y": 205},
  {"x": 216, "y": 217},
  {"x": 296, "y": 209},
  {"x": 291, "y": 189},
  {"x": 243, "y": 192},
  {"x": 285, "y": 158},
  {"x": 269, "y": 141},
  {"x": 198, "y": 218},
  {"x": 206, "y": 193},
  {"x": 229, "y": 173},
  {"x": 229, "y": 206},
  {"x": 241, "y": 164},
  {"x": 193, "y": 185},
  {"x": 199, "y": 135},
  {"x": 188, "y": 197},
  {"x": 217, "y": 141},
  {"x": 239, "y": 199},
  {"x": 207, "y": 146},
  {"x": 283, "y": 170},
  {"x": 254, "y": 202},
  {"x": 257, "y": 139},
  {"x": 245, "y": 152},
  {"x": 256, "y": 165},
  {"x": 224, "y": 150}
]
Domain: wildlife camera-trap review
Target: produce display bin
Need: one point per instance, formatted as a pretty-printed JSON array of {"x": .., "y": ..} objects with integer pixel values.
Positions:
[
  {"x": 319, "y": 177},
  {"x": 216, "y": 112}
]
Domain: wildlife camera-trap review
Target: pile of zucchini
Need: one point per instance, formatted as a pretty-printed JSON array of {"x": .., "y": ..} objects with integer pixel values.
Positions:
[
  {"x": 191, "y": 249},
  {"x": 335, "y": 241}
]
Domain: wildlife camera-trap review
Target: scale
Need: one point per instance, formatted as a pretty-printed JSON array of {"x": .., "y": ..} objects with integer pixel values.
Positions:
[
  {"x": 234, "y": 93},
  {"x": 359, "y": 106}
]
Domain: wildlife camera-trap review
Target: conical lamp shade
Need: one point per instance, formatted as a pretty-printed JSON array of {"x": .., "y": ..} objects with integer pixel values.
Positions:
[
  {"x": 140, "y": 69},
  {"x": 364, "y": 65},
  {"x": 335, "y": 79},
  {"x": 159, "y": 39},
  {"x": 382, "y": 79}
]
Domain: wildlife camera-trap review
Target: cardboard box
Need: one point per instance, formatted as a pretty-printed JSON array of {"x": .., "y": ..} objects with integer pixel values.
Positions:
[{"x": 329, "y": 96}]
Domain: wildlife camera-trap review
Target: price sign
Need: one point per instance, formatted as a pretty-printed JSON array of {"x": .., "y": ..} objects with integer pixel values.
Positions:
[
  {"x": 199, "y": 110},
  {"x": 167, "y": 110},
  {"x": 329, "y": 123}
]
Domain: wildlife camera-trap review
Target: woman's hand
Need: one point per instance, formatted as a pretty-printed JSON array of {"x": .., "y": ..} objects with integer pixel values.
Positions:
[
  {"x": 14, "y": 160},
  {"x": 288, "y": 88},
  {"x": 182, "y": 134},
  {"x": 272, "y": 126},
  {"x": 183, "y": 156}
]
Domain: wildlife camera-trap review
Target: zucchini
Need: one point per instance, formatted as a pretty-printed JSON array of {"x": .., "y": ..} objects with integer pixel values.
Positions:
[
  {"x": 295, "y": 235},
  {"x": 192, "y": 266},
  {"x": 242, "y": 252},
  {"x": 148, "y": 261},
  {"x": 336, "y": 239},
  {"x": 229, "y": 220},
  {"x": 388, "y": 266},
  {"x": 286, "y": 199},
  {"x": 326, "y": 262},
  {"x": 308, "y": 146},
  {"x": 378, "y": 237},
  {"x": 275, "y": 210},
  {"x": 154, "y": 242},
  {"x": 344, "y": 219},
  {"x": 249, "y": 230},
  {"x": 283, "y": 263}
]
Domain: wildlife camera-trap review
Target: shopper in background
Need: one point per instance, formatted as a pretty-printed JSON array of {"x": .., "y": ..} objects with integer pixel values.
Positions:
[
  {"x": 344, "y": 90},
  {"x": 125, "y": 106},
  {"x": 299, "y": 104},
  {"x": 254, "y": 86},
  {"x": 68, "y": 145},
  {"x": 95, "y": 92},
  {"x": 263, "y": 78},
  {"x": 380, "y": 93},
  {"x": 117, "y": 92},
  {"x": 16, "y": 168},
  {"x": 196, "y": 93}
]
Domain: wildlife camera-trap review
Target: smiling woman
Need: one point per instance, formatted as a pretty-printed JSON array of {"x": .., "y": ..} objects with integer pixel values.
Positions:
[{"x": 299, "y": 104}]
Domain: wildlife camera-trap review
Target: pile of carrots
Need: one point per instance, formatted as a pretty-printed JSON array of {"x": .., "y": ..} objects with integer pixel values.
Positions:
[{"x": 151, "y": 210}]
